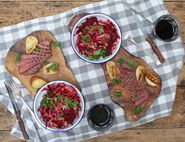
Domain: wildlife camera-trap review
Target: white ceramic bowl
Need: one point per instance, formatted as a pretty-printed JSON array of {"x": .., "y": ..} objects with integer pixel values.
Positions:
[
  {"x": 100, "y": 16},
  {"x": 36, "y": 104}
]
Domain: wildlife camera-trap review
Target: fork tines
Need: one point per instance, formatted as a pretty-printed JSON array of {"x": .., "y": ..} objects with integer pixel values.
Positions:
[{"x": 13, "y": 85}]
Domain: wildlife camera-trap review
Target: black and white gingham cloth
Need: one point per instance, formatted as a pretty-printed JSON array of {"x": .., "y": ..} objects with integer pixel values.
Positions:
[{"x": 90, "y": 76}]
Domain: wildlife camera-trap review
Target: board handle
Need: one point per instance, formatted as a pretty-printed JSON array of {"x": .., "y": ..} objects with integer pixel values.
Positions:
[
  {"x": 74, "y": 20},
  {"x": 155, "y": 49}
]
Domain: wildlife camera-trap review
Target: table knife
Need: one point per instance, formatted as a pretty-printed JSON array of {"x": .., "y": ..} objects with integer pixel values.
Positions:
[
  {"x": 17, "y": 112},
  {"x": 149, "y": 38}
]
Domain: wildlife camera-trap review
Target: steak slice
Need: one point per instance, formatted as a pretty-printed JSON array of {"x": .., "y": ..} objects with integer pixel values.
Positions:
[
  {"x": 43, "y": 52},
  {"x": 28, "y": 56},
  {"x": 26, "y": 67},
  {"x": 135, "y": 97},
  {"x": 33, "y": 70},
  {"x": 23, "y": 62}
]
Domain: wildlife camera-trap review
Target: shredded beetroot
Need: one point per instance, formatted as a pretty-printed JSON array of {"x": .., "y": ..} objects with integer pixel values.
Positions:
[
  {"x": 96, "y": 38},
  {"x": 60, "y": 105}
]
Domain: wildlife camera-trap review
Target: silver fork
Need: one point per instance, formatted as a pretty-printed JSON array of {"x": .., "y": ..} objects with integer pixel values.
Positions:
[
  {"x": 17, "y": 91},
  {"x": 127, "y": 37}
]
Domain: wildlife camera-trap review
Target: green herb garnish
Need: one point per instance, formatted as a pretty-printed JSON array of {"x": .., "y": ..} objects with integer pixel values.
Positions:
[
  {"x": 85, "y": 30},
  {"x": 56, "y": 43},
  {"x": 100, "y": 52},
  {"x": 75, "y": 104},
  {"x": 59, "y": 97},
  {"x": 137, "y": 110},
  {"x": 18, "y": 57},
  {"x": 43, "y": 103},
  {"x": 95, "y": 27},
  {"x": 97, "y": 54},
  {"x": 134, "y": 97},
  {"x": 47, "y": 102},
  {"x": 101, "y": 30},
  {"x": 50, "y": 106},
  {"x": 86, "y": 38},
  {"x": 120, "y": 60},
  {"x": 93, "y": 57},
  {"x": 118, "y": 94},
  {"x": 90, "y": 58},
  {"x": 70, "y": 103},
  {"x": 53, "y": 67},
  {"x": 60, "y": 118},
  {"x": 116, "y": 81},
  {"x": 131, "y": 63},
  {"x": 55, "y": 99},
  {"x": 37, "y": 49}
]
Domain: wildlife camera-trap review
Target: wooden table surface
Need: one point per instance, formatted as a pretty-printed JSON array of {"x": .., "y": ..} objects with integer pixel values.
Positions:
[{"x": 169, "y": 129}]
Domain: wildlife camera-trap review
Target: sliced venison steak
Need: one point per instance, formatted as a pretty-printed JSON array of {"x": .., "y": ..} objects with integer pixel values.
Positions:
[
  {"x": 31, "y": 63},
  {"x": 133, "y": 84}
]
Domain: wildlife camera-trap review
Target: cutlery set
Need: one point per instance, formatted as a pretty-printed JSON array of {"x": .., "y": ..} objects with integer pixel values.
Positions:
[{"x": 16, "y": 110}]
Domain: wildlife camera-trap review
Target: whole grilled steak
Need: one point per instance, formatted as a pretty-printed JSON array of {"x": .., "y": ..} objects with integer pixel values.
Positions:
[{"x": 133, "y": 84}]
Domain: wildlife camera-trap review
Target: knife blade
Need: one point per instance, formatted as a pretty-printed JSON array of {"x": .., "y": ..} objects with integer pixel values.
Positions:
[
  {"x": 148, "y": 38},
  {"x": 139, "y": 13},
  {"x": 17, "y": 112},
  {"x": 12, "y": 98}
]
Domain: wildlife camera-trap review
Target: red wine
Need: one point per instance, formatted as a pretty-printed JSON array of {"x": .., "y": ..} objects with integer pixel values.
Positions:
[
  {"x": 166, "y": 28},
  {"x": 100, "y": 117}
]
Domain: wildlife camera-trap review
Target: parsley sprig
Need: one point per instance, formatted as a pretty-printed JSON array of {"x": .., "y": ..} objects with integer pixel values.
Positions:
[
  {"x": 101, "y": 30},
  {"x": 86, "y": 38},
  {"x": 56, "y": 43},
  {"x": 18, "y": 57},
  {"x": 137, "y": 110},
  {"x": 53, "y": 66},
  {"x": 70, "y": 103},
  {"x": 118, "y": 94},
  {"x": 116, "y": 81}
]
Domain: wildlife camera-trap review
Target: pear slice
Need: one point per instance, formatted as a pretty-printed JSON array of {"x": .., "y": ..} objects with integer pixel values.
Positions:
[
  {"x": 111, "y": 69},
  {"x": 140, "y": 71},
  {"x": 31, "y": 44},
  {"x": 149, "y": 82}
]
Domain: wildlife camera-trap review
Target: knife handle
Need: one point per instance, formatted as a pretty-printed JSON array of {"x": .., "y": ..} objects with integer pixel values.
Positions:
[
  {"x": 21, "y": 124},
  {"x": 155, "y": 49}
]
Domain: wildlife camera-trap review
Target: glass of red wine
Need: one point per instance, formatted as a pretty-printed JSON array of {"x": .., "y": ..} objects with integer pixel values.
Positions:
[{"x": 166, "y": 28}]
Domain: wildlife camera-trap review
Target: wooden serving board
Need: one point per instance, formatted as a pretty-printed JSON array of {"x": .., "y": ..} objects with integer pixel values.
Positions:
[
  {"x": 64, "y": 73},
  {"x": 124, "y": 100}
]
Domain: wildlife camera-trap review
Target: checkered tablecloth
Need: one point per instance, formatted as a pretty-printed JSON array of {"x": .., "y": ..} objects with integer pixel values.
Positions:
[{"x": 91, "y": 76}]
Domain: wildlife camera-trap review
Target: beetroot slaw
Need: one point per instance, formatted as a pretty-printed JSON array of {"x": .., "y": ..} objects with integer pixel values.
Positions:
[
  {"x": 96, "y": 39},
  {"x": 60, "y": 105}
]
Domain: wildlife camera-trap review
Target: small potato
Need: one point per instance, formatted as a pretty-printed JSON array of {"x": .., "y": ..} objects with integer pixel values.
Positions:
[
  {"x": 51, "y": 68},
  {"x": 37, "y": 82},
  {"x": 31, "y": 44},
  {"x": 111, "y": 69}
]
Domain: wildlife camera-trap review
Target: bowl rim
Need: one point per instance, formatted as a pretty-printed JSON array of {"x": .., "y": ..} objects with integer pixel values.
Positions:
[
  {"x": 65, "y": 129},
  {"x": 89, "y": 15}
]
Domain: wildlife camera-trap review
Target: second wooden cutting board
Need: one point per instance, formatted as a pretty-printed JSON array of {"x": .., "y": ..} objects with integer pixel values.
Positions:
[{"x": 64, "y": 73}]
